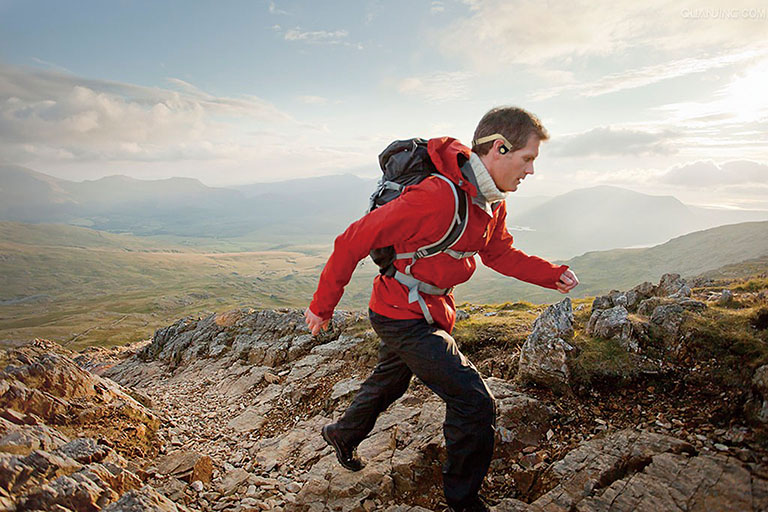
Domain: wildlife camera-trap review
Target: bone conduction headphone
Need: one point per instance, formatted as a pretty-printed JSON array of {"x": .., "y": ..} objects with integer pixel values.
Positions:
[{"x": 504, "y": 147}]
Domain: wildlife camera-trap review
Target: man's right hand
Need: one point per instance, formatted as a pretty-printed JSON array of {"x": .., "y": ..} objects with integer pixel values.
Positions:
[{"x": 314, "y": 322}]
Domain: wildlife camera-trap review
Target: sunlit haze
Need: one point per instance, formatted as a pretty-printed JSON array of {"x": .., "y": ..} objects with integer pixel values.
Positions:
[{"x": 659, "y": 97}]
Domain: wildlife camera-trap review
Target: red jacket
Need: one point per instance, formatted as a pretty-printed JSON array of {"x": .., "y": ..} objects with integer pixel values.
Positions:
[{"x": 421, "y": 215}]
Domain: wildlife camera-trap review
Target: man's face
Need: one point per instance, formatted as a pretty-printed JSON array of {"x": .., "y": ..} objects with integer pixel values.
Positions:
[{"x": 510, "y": 169}]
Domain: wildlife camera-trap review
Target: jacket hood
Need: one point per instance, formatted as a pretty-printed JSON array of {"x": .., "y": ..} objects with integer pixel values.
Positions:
[{"x": 448, "y": 155}]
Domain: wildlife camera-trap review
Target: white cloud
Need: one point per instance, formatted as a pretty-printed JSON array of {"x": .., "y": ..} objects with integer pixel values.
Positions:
[
  {"x": 313, "y": 100},
  {"x": 527, "y": 31},
  {"x": 608, "y": 141},
  {"x": 51, "y": 120},
  {"x": 705, "y": 174},
  {"x": 437, "y": 6},
  {"x": 316, "y": 36},
  {"x": 437, "y": 87},
  {"x": 648, "y": 75},
  {"x": 273, "y": 9}
]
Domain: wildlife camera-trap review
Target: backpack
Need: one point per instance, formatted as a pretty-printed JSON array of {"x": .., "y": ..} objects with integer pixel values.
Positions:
[{"x": 404, "y": 163}]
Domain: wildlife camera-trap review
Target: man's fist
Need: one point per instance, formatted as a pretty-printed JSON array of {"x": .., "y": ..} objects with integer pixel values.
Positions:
[
  {"x": 314, "y": 322},
  {"x": 568, "y": 281}
]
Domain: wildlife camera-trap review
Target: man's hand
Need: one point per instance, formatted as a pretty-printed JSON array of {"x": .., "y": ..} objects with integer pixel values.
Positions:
[
  {"x": 568, "y": 281},
  {"x": 314, "y": 322}
]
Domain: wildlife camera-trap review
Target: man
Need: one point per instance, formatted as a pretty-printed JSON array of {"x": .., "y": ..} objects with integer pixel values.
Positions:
[{"x": 415, "y": 334}]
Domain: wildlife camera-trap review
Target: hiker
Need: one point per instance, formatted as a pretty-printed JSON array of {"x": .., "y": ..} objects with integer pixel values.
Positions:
[{"x": 412, "y": 307}]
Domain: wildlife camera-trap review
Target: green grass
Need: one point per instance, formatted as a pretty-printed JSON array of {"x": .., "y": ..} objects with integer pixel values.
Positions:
[
  {"x": 602, "y": 362},
  {"x": 727, "y": 337},
  {"x": 752, "y": 285}
]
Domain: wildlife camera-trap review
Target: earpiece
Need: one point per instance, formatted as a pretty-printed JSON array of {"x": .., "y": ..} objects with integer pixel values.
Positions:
[{"x": 503, "y": 150}]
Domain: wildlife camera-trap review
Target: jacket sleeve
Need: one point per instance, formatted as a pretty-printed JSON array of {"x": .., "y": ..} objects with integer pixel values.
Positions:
[
  {"x": 499, "y": 255},
  {"x": 418, "y": 214}
]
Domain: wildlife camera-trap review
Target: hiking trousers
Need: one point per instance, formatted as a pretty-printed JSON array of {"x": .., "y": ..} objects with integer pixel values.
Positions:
[{"x": 414, "y": 347}]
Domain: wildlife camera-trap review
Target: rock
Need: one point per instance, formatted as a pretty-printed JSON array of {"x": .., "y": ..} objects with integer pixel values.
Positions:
[
  {"x": 232, "y": 480},
  {"x": 683, "y": 292},
  {"x": 545, "y": 353},
  {"x": 670, "y": 284},
  {"x": 186, "y": 465},
  {"x": 522, "y": 420},
  {"x": 613, "y": 323},
  {"x": 145, "y": 499},
  {"x": 249, "y": 420},
  {"x": 652, "y": 473},
  {"x": 345, "y": 388},
  {"x": 44, "y": 381},
  {"x": 760, "y": 383},
  {"x": 24, "y": 439},
  {"x": 695, "y": 306},
  {"x": 602, "y": 302},
  {"x": 669, "y": 318},
  {"x": 601, "y": 462},
  {"x": 197, "y": 485},
  {"x": 461, "y": 315},
  {"x": 271, "y": 378},
  {"x": 726, "y": 298},
  {"x": 339, "y": 348},
  {"x": 646, "y": 307}
]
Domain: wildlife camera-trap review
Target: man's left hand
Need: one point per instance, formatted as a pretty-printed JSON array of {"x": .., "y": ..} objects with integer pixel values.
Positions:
[{"x": 568, "y": 281}]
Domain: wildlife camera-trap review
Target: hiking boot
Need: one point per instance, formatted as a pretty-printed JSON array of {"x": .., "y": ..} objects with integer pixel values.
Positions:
[
  {"x": 346, "y": 454},
  {"x": 478, "y": 504}
]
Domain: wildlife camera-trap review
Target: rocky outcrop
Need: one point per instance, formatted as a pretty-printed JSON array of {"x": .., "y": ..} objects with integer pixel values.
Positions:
[
  {"x": 545, "y": 353},
  {"x": 240, "y": 399},
  {"x": 658, "y": 309},
  {"x": 45, "y": 400},
  {"x": 641, "y": 471}
]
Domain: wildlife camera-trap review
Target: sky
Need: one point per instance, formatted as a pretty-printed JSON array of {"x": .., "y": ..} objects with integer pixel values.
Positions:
[{"x": 662, "y": 97}]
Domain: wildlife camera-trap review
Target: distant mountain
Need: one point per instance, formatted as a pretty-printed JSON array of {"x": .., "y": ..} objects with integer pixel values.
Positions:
[
  {"x": 315, "y": 210},
  {"x": 604, "y": 217},
  {"x": 600, "y": 271}
]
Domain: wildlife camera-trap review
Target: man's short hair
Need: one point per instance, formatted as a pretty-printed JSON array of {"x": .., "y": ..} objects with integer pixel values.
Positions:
[{"x": 514, "y": 123}]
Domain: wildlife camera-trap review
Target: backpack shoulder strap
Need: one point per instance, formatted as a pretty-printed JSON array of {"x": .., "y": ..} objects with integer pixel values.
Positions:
[{"x": 455, "y": 230}]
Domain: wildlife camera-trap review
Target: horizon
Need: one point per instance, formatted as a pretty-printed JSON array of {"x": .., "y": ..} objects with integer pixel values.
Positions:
[{"x": 662, "y": 99}]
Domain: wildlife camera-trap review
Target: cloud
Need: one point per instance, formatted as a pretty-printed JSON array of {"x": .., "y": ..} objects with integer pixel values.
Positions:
[
  {"x": 648, "y": 75},
  {"x": 313, "y": 100},
  {"x": 50, "y": 114},
  {"x": 706, "y": 173},
  {"x": 527, "y": 31},
  {"x": 273, "y": 9},
  {"x": 437, "y": 6},
  {"x": 437, "y": 87},
  {"x": 607, "y": 141},
  {"x": 317, "y": 36}
]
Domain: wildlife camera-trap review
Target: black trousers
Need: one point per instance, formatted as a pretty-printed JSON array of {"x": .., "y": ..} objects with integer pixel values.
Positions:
[{"x": 414, "y": 347}]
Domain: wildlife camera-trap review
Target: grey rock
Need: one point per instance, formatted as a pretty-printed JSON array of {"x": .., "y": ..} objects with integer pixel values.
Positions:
[
  {"x": 646, "y": 306},
  {"x": 760, "y": 382},
  {"x": 602, "y": 302},
  {"x": 670, "y": 284},
  {"x": 522, "y": 420},
  {"x": 461, "y": 315},
  {"x": 669, "y": 317},
  {"x": 145, "y": 499},
  {"x": 545, "y": 353},
  {"x": 726, "y": 298},
  {"x": 615, "y": 324},
  {"x": 84, "y": 450}
]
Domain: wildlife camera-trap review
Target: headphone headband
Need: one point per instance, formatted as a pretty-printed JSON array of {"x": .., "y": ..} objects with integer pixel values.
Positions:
[{"x": 489, "y": 138}]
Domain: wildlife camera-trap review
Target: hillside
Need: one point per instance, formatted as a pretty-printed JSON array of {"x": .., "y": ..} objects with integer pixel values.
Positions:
[
  {"x": 600, "y": 271},
  {"x": 81, "y": 286}
]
